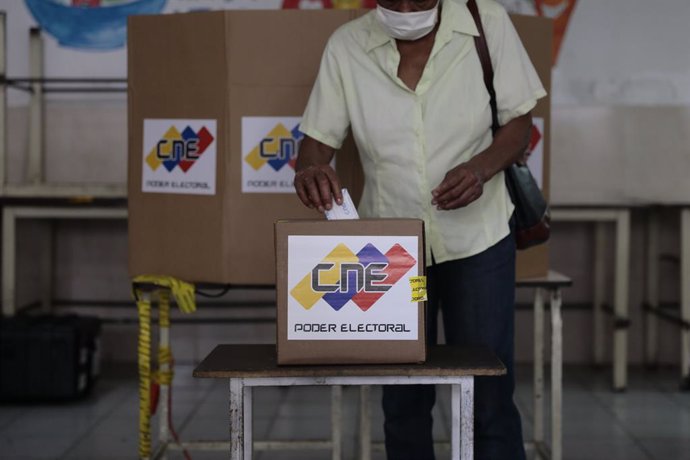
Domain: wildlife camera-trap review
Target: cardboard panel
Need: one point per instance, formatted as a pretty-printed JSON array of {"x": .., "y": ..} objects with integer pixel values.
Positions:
[
  {"x": 279, "y": 48},
  {"x": 537, "y": 34},
  {"x": 176, "y": 71}
]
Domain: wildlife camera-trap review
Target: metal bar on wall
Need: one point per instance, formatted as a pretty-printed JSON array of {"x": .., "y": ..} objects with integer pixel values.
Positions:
[
  {"x": 3, "y": 100},
  {"x": 34, "y": 170}
]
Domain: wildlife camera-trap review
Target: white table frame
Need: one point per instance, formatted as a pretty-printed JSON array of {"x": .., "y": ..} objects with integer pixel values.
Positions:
[
  {"x": 462, "y": 407},
  {"x": 652, "y": 291},
  {"x": 249, "y": 366},
  {"x": 555, "y": 301},
  {"x": 620, "y": 217},
  {"x": 10, "y": 215}
]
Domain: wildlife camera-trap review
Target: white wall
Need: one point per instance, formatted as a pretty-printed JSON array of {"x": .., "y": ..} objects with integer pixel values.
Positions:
[{"x": 625, "y": 52}]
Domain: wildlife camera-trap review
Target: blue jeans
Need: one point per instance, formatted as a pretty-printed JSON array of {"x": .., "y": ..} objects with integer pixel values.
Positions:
[{"x": 477, "y": 298}]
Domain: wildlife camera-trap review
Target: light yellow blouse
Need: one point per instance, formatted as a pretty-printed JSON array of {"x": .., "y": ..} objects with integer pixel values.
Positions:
[{"x": 408, "y": 140}]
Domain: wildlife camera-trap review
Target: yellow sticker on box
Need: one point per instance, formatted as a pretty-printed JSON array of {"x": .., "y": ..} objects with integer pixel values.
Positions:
[{"x": 418, "y": 287}]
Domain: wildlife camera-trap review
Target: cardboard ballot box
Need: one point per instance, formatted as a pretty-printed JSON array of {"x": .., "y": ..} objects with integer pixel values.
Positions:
[
  {"x": 350, "y": 291},
  {"x": 215, "y": 100}
]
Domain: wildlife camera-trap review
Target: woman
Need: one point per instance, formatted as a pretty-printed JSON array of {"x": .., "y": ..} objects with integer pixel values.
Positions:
[{"x": 407, "y": 79}]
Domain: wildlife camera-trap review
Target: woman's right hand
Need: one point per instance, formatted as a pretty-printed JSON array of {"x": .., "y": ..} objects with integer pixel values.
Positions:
[{"x": 317, "y": 186}]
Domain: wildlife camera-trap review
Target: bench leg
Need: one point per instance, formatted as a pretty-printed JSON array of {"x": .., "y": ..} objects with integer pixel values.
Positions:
[
  {"x": 9, "y": 248},
  {"x": 556, "y": 375},
  {"x": 652, "y": 290},
  {"x": 599, "y": 291},
  {"x": 336, "y": 421},
  {"x": 538, "y": 366},
  {"x": 364, "y": 422},
  {"x": 248, "y": 422},
  {"x": 237, "y": 427},
  {"x": 685, "y": 293},
  {"x": 462, "y": 407},
  {"x": 620, "y": 342}
]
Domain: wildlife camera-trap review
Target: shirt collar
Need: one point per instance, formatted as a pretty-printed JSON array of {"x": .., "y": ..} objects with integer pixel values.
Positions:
[{"x": 455, "y": 17}]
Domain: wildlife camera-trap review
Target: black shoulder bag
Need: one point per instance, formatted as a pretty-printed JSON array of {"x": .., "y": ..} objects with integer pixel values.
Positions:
[{"x": 532, "y": 218}]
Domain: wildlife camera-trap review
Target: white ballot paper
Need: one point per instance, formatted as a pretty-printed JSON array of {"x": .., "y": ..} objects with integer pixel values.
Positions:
[{"x": 344, "y": 211}]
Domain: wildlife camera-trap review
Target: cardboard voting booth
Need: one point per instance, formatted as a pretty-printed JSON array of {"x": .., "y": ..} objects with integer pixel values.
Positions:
[
  {"x": 215, "y": 100},
  {"x": 350, "y": 291}
]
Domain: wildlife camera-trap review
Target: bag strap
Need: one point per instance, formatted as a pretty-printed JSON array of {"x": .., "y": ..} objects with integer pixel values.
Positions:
[{"x": 485, "y": 59}]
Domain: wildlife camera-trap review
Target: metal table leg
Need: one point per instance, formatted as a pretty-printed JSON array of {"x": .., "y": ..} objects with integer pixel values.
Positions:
[
  {"x": 599, "y": 291},
  {"x": 9, "y": 262},
  {"x": 652, "y": 289},
  {"x": 237, "y": 426},
  {"x": 364, "y": 423},
  {"x": 556, "y": 375},
  {"x": 620, "y": 342},
  {"x": 336, "y": 421},
  {"x": 248, "y": 422},
  {"x": 685, "y": 293},
  {"x": 466, "y": 417},
  {"x": 164, "y": 436},
  {"x": 538, "y": 367}
]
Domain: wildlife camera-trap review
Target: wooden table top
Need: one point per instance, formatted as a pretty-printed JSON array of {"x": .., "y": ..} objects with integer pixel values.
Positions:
[
  {"x": 252, "y": 361},
  {"x": 552, "y": 280}
]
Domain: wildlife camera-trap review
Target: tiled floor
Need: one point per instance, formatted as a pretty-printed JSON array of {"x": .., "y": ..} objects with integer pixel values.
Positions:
[{"x": 650, "y": 421}]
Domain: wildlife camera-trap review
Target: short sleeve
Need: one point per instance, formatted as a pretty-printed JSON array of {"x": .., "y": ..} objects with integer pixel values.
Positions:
[
  {"x": 326, "y": 118},
  {"x": 516, "y": 82}
]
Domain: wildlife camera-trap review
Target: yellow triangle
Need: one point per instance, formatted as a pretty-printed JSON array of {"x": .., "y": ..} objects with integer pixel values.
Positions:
[
  {"x": 303, "y": 293},
  {"x": 254, "y": 159},
  {"x": 152, "y": 159}
]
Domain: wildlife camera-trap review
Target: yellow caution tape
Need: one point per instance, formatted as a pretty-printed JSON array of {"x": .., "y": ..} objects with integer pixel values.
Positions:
[
  {"x": 144, "y": 309},
  {"x": 418, "y": 287},
  {"x": 184, "y": 297},
  {"x": 181, "y": 290},
  {"x": 82, "y": 199},
  {"x": 164, "y": 353}
]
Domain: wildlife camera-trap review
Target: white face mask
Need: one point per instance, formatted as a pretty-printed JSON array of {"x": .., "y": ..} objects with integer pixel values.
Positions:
[{"x": 407, "y": 26}]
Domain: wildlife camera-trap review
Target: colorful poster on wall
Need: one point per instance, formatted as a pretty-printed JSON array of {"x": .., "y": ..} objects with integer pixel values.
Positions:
[
  {"x": 342, "y": 4},
  {"x": 560, "y": 11},
  {"x": 102, "y": 24},
  {"x": 90, "y": 24}
]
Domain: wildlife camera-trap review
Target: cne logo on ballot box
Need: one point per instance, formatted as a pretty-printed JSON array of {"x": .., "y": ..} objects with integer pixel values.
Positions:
[{"x": 341, "y": 293}]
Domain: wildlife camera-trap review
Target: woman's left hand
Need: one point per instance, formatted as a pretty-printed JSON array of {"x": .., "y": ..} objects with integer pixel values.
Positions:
[{"x": 461, "y": 186}]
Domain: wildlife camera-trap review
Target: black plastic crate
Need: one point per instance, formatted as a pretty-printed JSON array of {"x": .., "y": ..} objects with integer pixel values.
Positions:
[{"x": 48, "y": 358}]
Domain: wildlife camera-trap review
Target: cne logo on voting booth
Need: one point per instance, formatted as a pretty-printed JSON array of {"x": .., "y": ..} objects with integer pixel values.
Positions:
[
  {"x": 179, "y": 149},
  {"x": 277, "y": 149},
  {"x": 179, "y": 156},
  {"x": 269, "y": 153},
  {"x": 361, "y": 278}
]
